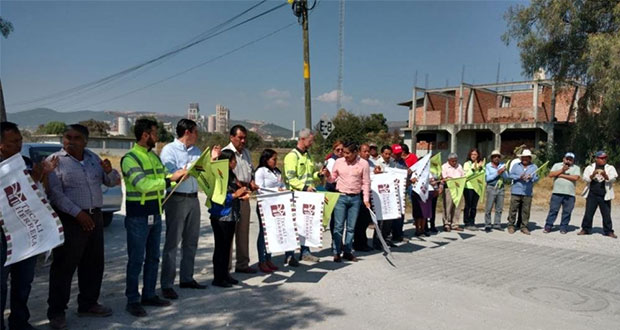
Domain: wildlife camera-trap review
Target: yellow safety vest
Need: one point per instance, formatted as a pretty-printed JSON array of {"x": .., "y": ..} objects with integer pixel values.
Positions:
[{"x": 299, "y": 170}]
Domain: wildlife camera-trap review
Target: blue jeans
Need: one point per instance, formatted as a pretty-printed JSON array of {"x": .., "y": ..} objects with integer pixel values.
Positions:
[
  {"x": 567, "y": 202},
  {"x": 143, "y": 251},
  {"x": 346, "y": 211},
  {"x": 22, "y": 275}
]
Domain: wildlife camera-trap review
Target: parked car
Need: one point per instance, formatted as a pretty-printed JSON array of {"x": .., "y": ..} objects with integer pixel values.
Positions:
[{"x": 112, "y": 196}]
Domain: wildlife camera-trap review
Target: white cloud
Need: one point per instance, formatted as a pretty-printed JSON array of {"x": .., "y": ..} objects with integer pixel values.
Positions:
[
  {"x": 332, "y": 97},
  {"x": 276, "y": 94},
  {"x": 371, "y": 102}
]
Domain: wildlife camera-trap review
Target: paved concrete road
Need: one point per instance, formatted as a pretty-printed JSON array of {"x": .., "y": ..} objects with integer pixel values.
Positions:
[{"x": 470, "y": 280}]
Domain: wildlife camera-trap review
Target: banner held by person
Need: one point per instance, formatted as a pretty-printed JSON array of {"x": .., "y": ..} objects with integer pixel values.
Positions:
[
  {"x": 421, "y": 171},
  {"x": 309, "y": 217},
  {"x": 29, "y": 223},
  {"x": 384, "y": 196},
  {"x": 456, "y": 187},
  {"x": 278, "y": 214},
  {"x": 400, "y": 179},
  {"x": 436, "y": 165},
  {"x": 479, "y": 183}
]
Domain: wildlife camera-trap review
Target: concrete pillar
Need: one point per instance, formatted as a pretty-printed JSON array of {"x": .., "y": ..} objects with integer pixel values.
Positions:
[
  {"x": 550, "y": 136},
  {"x": 425, "y": 107},
  {"x": 460, "y": 121},
  {"x": 453, "y": 141},
  {"x": 535, "y": 101},
  {"x": 553, "y": 101},
  {"x": 447, "y": 110},
  {"x": 498, "y": 141},
  {"x": 470, "y": 106},
  {"x": 413, "y": 103}
]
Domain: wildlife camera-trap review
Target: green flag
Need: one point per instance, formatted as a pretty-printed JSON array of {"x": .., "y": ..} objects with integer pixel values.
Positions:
[
  {"x": 330, "y": 202},
  {"x": 436, "y": 165},
  {"x": 201, "y": 170},
  {"x": 456, "y": 187},
  {"x": 219, "y": 180},
  {"x": 478, "y": 183}
]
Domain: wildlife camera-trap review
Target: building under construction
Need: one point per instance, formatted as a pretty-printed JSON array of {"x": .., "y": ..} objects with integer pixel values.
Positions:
[{"x": 490, "y": 116}]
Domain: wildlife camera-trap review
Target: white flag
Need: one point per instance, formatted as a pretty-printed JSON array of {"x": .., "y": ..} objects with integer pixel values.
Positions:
[
  {"x": 277, "y": 212},
  {"x": 29, "y": 223},
  {"x": 422, "y": 171},
  {"x": 309, "y": 217},
  {"x": 384, "y": 195}
]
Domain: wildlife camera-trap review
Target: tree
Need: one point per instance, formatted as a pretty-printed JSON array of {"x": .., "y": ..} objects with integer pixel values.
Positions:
[
  {"x": 576, "y": 41},
  {"x": 53, "y": 127},
  {"x": 95, "y": 127},
  {"x": 5, "y": 29}
]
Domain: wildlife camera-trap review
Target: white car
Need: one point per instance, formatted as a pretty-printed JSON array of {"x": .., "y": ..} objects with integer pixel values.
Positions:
[{"x": 112, "y": 196}]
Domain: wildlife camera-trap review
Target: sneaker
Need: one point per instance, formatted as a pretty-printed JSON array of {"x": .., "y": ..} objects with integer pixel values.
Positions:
[
  {"x": 583, "y": 232},
  {"x": 169, "y": 293},
  {"x": 525, "y": 231},
  {"x": 292, "y": 262},
  {"x": 96, "y": 310},
  {"x": 58, "y": 322},
  {"x": 310, "y": 257},
  {"x": 135, "y": 309},
  {"x": 511, "y": 230},
  {"x": 155, "y": 301},
  {"x": 192, "y": 285}
]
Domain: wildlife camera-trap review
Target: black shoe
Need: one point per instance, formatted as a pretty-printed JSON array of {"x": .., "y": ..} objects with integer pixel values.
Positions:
[
  {"x": 155, "y": 301},
  {"x": 349, "y": 256},
  {"x": 58, "y": 322},
  {"x": 169, "y": 293},
  {"x": 397, "y": 239},
  {"x": 135, "y": 309},
  {"x": 192, "y": 285},
  {"x": 391, "y": 244},
  {"x": 488, "y": 229},
  {"x": 292, "y": 262},
  {"x": 232, "y": 280},
  {"x": 221, "y": 284},
  {"x": 29, "y": 326},
  {"x": 434, "y": 230}
]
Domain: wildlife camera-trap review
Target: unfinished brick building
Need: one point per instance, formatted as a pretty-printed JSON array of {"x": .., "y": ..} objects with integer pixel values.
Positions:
[{"x": 490, "y": 116}]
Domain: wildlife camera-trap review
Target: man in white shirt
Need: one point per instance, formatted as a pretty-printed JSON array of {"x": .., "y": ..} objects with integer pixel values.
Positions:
[{"x": 599, "y": 193}]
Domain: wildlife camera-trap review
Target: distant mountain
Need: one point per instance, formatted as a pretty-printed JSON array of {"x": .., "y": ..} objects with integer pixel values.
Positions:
[{"x": 31, "y": 119}]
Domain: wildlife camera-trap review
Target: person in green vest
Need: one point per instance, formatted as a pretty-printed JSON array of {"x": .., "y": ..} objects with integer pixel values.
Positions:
[
  {"x": 300, "y": 175},
  {"x": 146, "y": 179}
]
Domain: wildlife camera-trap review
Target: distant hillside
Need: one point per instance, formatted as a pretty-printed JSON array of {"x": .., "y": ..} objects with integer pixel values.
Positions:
[{"x": 31, "y": 119}]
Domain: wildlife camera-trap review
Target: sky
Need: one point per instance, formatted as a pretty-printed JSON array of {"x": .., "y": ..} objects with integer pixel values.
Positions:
[{"x": 58, "y": 45}]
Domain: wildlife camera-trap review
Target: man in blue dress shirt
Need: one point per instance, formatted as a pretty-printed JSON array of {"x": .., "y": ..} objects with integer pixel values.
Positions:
[
  {"x": 182, "y": 212},
  {"x": 524, "y": 176}
]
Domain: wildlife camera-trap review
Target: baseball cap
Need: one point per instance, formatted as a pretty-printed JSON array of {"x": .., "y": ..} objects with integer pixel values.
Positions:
[
  {"x": 569, "y": 155},
  {"x": 600, "y": 154},
  {"x": 397, "y": 149}
]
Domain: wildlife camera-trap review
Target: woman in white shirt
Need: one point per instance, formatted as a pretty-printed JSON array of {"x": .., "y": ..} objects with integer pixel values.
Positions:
[{"x": 268, "y": 178}]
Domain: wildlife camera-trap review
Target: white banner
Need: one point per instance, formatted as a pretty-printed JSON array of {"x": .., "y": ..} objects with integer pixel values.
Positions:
[
  {"x": 422, "y": 171},
  {"x": 29, "y": 223},
  {"x": 384, "y": 196},
  {"x": 278, "y": 214},
  {"x": 400, "y": 181},
  {"x": 309, "y": 217}
]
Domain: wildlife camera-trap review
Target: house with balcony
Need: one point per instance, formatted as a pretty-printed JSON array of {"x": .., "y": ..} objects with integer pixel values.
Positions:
[{"x": 490, "y": 116}]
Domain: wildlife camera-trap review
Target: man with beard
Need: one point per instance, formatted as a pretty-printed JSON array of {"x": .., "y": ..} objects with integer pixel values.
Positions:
[
  {"x": 146, "y": 178},
  {"x": 75, "y": 193}
]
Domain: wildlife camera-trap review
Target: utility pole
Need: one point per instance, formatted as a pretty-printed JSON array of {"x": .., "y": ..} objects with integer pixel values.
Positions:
[{"x": 300, "y": 9}]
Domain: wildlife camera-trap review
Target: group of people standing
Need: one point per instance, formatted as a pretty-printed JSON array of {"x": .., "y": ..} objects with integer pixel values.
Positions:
[{"x": 72, "y": 179}]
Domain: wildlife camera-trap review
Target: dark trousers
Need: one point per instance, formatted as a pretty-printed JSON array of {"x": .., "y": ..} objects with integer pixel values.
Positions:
[
  {"x": 82, "y": 251},
  {"x": 567, "y": 202},
  {"x": 431, "y": 222},
  {"x": 520, "y": 205},
  {"x": 397, "y": 228},
  {"x": 223, "y": 231},
  {"x": 360, "y": 240},
  {"x": 22, "y": 274},
  {"x": 471, "y": 202},
  {"x": 596, "y": 201}
]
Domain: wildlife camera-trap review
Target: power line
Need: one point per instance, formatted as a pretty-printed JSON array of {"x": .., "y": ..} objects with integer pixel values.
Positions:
[
  {"x": 100, "y": 82},
  {"x": 191, "y": 68}
]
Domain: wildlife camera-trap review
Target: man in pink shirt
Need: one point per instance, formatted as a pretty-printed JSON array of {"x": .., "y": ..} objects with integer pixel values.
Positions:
[
  {"x": 451, "y": 169},
  {"x": 352, "y": 176}
]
